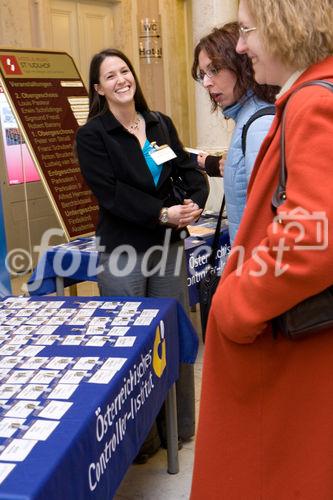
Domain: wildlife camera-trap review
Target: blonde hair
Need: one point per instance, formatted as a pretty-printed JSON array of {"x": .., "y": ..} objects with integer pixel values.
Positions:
[{"x": 298, "y": 32}]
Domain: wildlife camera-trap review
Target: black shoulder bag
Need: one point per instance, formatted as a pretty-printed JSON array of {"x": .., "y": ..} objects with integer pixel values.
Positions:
[
  {"x": 179, "y": 193},
  {"x": 207, "y": 286},
  {"x": 315, "y": 313}
]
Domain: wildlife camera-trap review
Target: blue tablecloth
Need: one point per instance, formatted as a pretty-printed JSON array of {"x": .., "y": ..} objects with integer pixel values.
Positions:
[
  {"x": 95, "y": 441},
  {"x": 76, "y": 261}
]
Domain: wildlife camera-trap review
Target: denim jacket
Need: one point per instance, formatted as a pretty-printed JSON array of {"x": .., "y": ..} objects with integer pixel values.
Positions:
[{"x": 238, "y": 168}]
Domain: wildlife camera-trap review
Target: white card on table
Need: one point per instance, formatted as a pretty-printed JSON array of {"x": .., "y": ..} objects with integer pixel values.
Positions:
[
  {"x": 8, "y": 391},
  {"x": 95, "y": 341},
  {"x": 143, "y": 320},
  {"x": 59, "y": 363},
  {"x": 46, "y": 339},
  {"x": 22, "y": 409},
  {"x": 72, "y": 340},
  {"x": 5, "y": 469},
  {"x": 8, "y": 426},
  {"x": 41, "y": 430},
  {"x": 125, "y": 341},
  {"x": 85, "y": 363},
  {"x": 55, "y": 409},
  {"x": 102, "y": 376},
  {"x": 20, "y": 377},
  {"x": 95, "y": 330},
  {"x": 118, "y": 331},
  {"x": 44, "y": 377},
  {"x": 33, "y": 363},
  {"x": 18, "y": 450},
  {"x": 31, "y": 391},
  {"x": 62, "y": 391},
  {"x": 72, "y": 377},
  {"x": 113, "y": 363},
  {"x": 46, "y": 330},
  {"x": 31, "y": 350}
]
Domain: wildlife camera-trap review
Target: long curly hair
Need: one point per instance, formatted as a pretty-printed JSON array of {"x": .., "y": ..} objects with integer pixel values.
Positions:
[{"x": 220, "y": 46}]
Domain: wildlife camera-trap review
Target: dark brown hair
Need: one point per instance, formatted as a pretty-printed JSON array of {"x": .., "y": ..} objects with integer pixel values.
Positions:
[
  {"x": 97, "y": 103},
  {"x": 220, "y": 46}
]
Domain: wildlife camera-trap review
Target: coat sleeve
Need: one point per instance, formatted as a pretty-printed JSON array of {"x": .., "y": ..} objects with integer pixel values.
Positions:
[
  {"x": 294, "y": 261},
  {"x": 256, "y": 133},
  {"x": 117, "y": 197},
  {"x": 195, "y": 180},
  {"x": 212, "y": 167}
]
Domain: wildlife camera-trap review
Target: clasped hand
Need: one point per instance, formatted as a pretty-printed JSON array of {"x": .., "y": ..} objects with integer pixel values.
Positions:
[{"x": 183, "y": 215}]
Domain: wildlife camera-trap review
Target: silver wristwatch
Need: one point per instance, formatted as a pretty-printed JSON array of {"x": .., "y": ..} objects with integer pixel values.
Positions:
[{"x": 163, "y": 218}]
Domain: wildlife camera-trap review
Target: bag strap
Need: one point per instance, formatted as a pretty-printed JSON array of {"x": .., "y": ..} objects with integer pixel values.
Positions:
[
  {"x": 216, "y": 239},
  {"x": 164, "y": 127},
  {"x": 280, "y": 194},
  {"x": 268, "y": 110}
]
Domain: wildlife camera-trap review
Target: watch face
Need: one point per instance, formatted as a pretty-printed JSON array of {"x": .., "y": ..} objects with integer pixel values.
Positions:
[{"x": 164, "y": 216}]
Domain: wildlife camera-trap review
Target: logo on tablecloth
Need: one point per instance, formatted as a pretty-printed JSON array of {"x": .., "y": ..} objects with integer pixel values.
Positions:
[{"x": 159, "y": 351}]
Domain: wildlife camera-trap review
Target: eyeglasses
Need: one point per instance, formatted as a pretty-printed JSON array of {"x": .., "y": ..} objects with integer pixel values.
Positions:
[
  {"x": 210, "y": 73},
  {"x": 244, "y": 32}
]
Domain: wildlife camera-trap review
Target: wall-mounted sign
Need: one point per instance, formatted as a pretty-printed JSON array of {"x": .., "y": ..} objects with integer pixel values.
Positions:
[
  {"x": 50, "y": 102},
  {"x": 150, "y": 40}
]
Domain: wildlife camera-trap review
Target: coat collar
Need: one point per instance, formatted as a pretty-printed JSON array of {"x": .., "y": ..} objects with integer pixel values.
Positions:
[{"x": 322, "y": 70}]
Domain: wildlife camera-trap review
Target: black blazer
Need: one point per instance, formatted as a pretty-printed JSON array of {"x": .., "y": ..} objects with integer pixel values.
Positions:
[{"x": 113, "y": 164}]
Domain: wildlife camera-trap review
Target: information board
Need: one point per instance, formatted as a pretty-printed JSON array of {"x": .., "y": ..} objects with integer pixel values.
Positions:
[{"x": 50, "y": 102}]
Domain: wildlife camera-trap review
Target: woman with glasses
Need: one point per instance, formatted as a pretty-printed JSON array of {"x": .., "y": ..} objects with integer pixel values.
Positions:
[
  {"x": 228, "y": 79},
  {"x": 138, "y": 213},
  {"x": 266, "y": 416}
]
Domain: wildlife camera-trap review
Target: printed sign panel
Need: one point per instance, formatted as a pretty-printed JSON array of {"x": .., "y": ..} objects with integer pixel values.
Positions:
[{"x": 50, "y": 102}]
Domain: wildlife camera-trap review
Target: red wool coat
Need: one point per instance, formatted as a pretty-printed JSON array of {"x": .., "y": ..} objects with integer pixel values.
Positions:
[{"x": 266, "y": 416}]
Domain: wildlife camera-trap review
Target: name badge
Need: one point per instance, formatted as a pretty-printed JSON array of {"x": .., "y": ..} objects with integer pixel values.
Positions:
[{"x": 161, "y": 154}]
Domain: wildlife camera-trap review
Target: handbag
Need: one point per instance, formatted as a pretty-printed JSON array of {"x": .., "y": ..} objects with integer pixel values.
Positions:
[
  {"x": 178, "y": 191},
  {"x": 315, "y": 313},
  {"x": 207, "y": 286}
]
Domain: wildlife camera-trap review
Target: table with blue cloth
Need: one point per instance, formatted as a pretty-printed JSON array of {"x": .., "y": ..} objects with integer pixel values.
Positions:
[
  {"x": 71, "y": 263},
  {"x": 82, "y": 380}
]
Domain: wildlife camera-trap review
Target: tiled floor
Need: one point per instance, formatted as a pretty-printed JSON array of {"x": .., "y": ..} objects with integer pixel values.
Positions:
[{"x": 151, "y": 481}]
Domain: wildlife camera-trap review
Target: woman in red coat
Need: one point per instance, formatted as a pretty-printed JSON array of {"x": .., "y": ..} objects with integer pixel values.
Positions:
[{"x": 266, "y": 415}]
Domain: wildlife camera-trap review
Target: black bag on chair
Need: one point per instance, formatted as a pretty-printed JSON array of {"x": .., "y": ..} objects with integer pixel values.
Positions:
[
  {"x": 208, "y": 284},
  {"x": 315, "y": 313}
]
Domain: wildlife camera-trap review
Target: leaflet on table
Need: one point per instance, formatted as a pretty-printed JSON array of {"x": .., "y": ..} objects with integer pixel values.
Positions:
[
  {"x": 18, "y": 450},
  {"x": 32, "y": 391},
  {"x": 22, "y": 409},
  {"x": 40, "y": 430},
  {"x": 72, "y": 340},
  {"x": 86, "y": 363},
  {"x": 63, "y": 391},
  {"x": 73, "y": 377},
  {"x": 5, "y": 469},
  {"x": 103, "y": 376},
  {"x": 8, "y": 426},
  {"x": 45, "y": 377},
  {"x": 125, "y": 342},
  {"x": 20, "y": 377},
  {"x": 55, "y": 409}
]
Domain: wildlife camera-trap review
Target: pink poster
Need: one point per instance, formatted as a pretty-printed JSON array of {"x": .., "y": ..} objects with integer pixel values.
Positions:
[{"x": 20, "y": 166}]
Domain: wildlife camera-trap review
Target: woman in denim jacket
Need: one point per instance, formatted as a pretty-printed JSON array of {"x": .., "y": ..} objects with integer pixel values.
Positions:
[{"x": 228, "y": 78}]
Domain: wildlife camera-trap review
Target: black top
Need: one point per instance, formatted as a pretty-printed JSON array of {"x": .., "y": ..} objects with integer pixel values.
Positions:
[{"x": 113, "y": 164}]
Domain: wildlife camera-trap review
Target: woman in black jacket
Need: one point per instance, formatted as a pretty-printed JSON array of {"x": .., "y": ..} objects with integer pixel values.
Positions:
[{"x": 139, "y": 213}]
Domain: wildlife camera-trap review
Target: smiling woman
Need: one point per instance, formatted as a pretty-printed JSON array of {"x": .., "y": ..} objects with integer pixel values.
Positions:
[{"x": 138, "y": 213}]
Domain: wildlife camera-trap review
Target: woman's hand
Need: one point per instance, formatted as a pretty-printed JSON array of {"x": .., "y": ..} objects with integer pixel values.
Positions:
[
  {"x": 201, "y": 159},
  {"x": 183, "y": 215}
]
